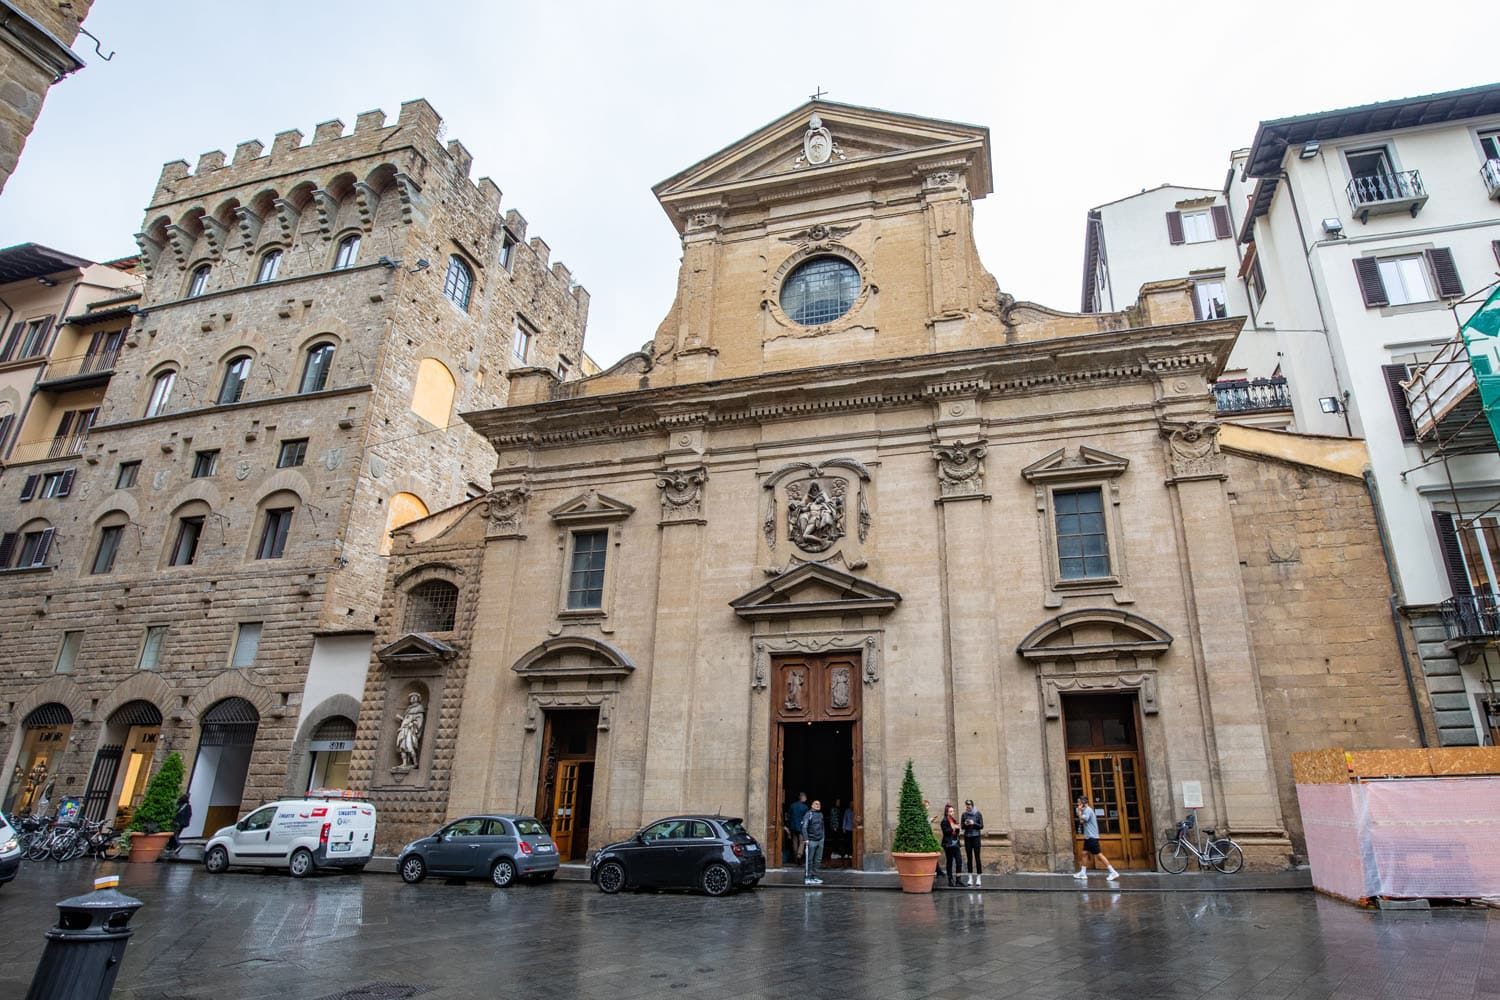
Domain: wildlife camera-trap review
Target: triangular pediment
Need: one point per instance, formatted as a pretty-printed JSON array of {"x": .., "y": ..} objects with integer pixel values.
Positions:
[
  {"x": 862, "y": 138},
  {"x": 591, "y": 506},
  {"x": 1085, "y": 463},
  {"x": 415, "y": 648},
  {"x": 814, "y": 589}
]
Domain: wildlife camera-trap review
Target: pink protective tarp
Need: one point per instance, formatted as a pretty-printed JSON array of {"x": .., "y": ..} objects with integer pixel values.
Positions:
[{"x": 1409, "y": 837}]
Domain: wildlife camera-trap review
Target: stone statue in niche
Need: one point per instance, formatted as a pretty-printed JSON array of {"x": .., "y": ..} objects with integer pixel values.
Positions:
[
  {"x": 815, "y": 519},
  {"x": 839, "y": 687},
  {"x": 409, "y": 732},
  {"x": 795, "y": 682}
]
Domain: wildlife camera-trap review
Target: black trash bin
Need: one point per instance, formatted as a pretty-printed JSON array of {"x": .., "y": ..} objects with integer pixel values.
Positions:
[{"x": 86, "y": 947}]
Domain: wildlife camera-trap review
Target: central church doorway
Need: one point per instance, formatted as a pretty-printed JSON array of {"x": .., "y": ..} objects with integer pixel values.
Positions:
[
  {"x": 565, "y": 790},
  {"x": 1104, "y": 766},
  {"x": 816, "y": 749}
]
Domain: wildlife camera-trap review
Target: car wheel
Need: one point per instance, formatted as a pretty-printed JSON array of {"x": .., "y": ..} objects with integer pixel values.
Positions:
[
  {"x": 611, "y": 877},
  {"x": 717, "y": 881},
  {"x": 301, "y": 864},
  {"x": 413, "y": 870},
  {"x": 503, "y": 873},
  {"x": 216, "y": 861}
]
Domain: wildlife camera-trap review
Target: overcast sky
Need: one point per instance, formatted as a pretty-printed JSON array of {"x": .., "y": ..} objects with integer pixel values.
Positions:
[{"x": 577, "y": 109}]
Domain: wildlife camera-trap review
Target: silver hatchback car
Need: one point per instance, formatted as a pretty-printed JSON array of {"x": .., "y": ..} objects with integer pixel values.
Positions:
[{"x": 499, "y": 847}]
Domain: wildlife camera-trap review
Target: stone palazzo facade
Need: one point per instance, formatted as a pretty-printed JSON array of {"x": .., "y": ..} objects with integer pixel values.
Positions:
[{"x": 853, "y": 505}]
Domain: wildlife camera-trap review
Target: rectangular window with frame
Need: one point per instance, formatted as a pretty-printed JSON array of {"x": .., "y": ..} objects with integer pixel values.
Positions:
[
  {"x": 127, "y": 475},
  {"x": 109, "y": 547},
  {"x": 246, "y": 644},
  {"x": 1405, "y": 279},
  {"x": 273, "y": 533},
  {"x": 292, "y": 453},
  {"x": 1197, "y": 227},
  {"x": 185, "y": 548},
  {"x": 205, "y": 463},
  {"x": 520, "y": 341},
  {"x": 67, "y": 653},
  {"x": 150, "y": 658},
  {"x": 1210, "y": 300},
  {"x": 1489, "y": 144},
  {"x": 507, "y": 250},
  {"x": 56, "y": 484},
  {"x": 27, "y": 339},
  {"x": 1082, "y": 542},
  {"x": 586, "y": 570},
  {"x": 35, "y": 547}
]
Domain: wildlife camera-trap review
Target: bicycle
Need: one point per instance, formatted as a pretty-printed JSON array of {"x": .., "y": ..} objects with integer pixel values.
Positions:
[{"x": 1220, "y": 853}]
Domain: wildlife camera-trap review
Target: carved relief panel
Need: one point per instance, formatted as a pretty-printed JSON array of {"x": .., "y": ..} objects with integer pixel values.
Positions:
[
  {"x": 816, "y": 688},
  {"x": 816, "y": 513}
]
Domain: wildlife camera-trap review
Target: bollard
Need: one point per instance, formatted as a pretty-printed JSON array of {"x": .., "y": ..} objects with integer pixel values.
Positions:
[{"x": 84, "y": 950}]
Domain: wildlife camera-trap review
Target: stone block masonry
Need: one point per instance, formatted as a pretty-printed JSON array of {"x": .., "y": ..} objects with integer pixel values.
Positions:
[{"x": 35, "y": 36}]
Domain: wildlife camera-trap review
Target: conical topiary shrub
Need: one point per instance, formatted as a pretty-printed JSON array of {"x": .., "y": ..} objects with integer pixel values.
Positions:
[
  {"x": 913, "y": 830},
  {"x": 159, "y": 806}
]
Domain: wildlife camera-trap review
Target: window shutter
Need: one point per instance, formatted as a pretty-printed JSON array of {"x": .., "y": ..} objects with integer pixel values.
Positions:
[
  {"x": 41, "y": 340},
  {"x": 1174, "y": 228},
  {"x": 66, "y": 486},
  {"x": 1197, "y": 305},
  {"x": 1453, "y": 556},
  {"x": 64, "y": 424},
  {"x": 1221, "y": 222},
  {"x": 1449, "y": 285},
  {"x": 28, "y": 488},
  {"x": 1394, "y": 376},
  {"x": 1495, "y": 246},
  {"x": 43, "y": 547},
  {"x": 1367, "y": 270},
  {"x": 11, "y": 341},
  {"x": 5, "y": 423},
  {"x": 7, "y": 548}
]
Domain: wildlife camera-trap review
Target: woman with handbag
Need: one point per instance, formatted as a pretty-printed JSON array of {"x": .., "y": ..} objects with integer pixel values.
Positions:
[{"x": 952, "y": 859}]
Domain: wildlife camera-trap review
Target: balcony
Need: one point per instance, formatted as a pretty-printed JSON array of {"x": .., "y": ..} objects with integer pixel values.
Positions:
[
  {"x": 1474, "y": 618},
  {"x": 1445, "y": 405},
  {"x": 1257, "y": 395},
  {"x": 1490, "y": 172},
  {"x": 79, "y": 371},
  {"x": 40, "y": 451},
  {"x": 1381, "y": 194}
]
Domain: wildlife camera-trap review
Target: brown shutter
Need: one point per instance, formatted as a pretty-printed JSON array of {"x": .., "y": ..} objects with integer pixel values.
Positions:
[
  {"x": 7, "y": 548},
  {"x": 1394, "y": 376},
  {"x": 1221, "y": 222},
  {"x": 41, "y": 339},
  {"x": 1495, "y": 246},
  {"x": 1449, "y": 285},
  {"x": 66, "y": 486},
  {"x": 5, "y": 423},
  {"x": 1367, "y": 270},
  {"x": 12, "y": 340},
  {"x": 28, "y": 488},
  {"x": 1453, "y": 555},
  {"x": 1174, "y": 228},
  {"x": 43, "y": 547}
]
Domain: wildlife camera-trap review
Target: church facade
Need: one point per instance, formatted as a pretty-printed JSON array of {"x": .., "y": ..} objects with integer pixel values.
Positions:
[{"x": 853, "y": 505}]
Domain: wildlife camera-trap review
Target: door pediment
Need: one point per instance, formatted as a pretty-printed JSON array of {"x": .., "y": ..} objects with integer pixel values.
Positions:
[{"x": 814, "y": 589}]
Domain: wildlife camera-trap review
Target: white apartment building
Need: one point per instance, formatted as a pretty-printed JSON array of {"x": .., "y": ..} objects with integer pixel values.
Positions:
[{"x": 1363, "y": 236}]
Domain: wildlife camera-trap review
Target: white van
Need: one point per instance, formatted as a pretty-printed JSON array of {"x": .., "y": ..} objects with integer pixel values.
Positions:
[{"x": 332, "y": 830}]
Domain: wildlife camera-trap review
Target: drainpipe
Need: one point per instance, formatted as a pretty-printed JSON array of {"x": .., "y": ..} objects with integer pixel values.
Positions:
[{"x": 1390, "y": 569}]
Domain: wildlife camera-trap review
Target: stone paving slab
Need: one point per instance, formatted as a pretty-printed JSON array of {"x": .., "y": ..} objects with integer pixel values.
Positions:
[{"x": 256, "y": 935}]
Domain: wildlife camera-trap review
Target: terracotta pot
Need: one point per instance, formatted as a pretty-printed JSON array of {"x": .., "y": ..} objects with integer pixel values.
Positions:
[
  {"x": 917, "y": 871},
  {"x": 147, "y": 846}
]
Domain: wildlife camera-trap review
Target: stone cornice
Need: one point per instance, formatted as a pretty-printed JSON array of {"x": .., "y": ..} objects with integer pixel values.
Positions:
[
  {"x": 1036, "y": 368},
  {"x": 42, "y": 48}
]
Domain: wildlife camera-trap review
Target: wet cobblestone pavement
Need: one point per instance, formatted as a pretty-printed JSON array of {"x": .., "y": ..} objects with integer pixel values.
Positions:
[{"x": 250, "y": 935}]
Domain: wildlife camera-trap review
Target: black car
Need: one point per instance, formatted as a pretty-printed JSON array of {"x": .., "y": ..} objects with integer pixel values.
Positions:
[{"x": 712, "y": 853}]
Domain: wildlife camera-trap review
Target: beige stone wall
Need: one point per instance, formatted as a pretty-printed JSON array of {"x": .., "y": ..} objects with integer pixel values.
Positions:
[
  {"x": 24, "y": 81},
  {"x": 1316, "y": 588}
]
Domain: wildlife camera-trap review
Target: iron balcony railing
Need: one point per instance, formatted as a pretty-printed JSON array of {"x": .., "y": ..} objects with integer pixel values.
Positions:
[
  {"x": 1252, "y": 395},
  {"x": 1378, "y": 193},
  {"x": 1473, "y": 616},
  {"x": 1491, "y": 174},
  {"x": 97, "y": 363},
  {"x": 55, "y": 447}
]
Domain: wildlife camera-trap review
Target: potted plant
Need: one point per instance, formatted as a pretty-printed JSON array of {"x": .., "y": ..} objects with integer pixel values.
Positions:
[
  {"x": 915, "y": 848},
  {"x": 151, "y": 826}
]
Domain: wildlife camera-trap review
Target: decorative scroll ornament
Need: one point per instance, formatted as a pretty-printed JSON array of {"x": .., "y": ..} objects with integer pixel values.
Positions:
[
  {"x": 815, "y": 519},
  {"x": 681, "y": 493},
  {"x": 818, "y": 146},
  {"x": 506, "y": 510},
  {"x": 1193, "y": 450},
  {"x": 960, "y": 468}
]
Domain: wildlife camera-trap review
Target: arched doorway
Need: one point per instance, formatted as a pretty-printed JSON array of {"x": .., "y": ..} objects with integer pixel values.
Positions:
[
  {"x": 130, "y": 739},
  {"x": 225, "y": 740},
  {"x": 329, "y": 752},
  {"x": 44, "y": 739}
]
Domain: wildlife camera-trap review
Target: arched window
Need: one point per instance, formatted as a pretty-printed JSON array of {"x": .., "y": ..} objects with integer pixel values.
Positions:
[
  {"x": 402, "y": 509},
  {"x": 275, "y": 525},
  {"x": 432, "y": 399},
  {"x": 186, "y": 532},
  {"x": 198, "y": 283},
  {"x": 161, "y": 393},
  {"x": 236, "y": 377},
  {"x": 431, "y": 607},
  {"x": 270, "y": 264},
  {"x": 348, "y": 252},
  {"x": 111, "y": 533},
  {"x": 27, "y": 548},
  {"x": 315, "y": 370},
  {"x": 459, "y": 282}
]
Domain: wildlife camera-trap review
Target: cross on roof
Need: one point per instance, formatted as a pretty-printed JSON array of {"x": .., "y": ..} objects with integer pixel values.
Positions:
[{"x": 819, "y": 93}]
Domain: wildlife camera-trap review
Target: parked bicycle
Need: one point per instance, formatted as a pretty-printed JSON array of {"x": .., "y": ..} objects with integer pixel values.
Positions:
[
  {"x": 43, "y": 838},
  {"x": 1220, "y": 853}
]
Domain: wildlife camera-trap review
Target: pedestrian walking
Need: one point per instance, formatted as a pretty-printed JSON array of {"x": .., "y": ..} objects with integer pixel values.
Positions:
[
  {"x": 1090, "y": 822},
  {"x": 798, "y": 812},
  {"x": 180, "y": 821},
  {"x": 813, "y": 833},
  {"x": 951, "y": 831},
  {"x": 972, "y": 822}
]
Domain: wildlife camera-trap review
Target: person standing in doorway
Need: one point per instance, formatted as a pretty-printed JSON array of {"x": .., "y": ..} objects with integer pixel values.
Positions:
[
  {"x": 835, "y": 832},
  {"x": 846, "y": 828},
  {"x": 813, "y": 833},
  {"x": 180, "y": 821},
  {"x": 972, "y": 822},
  {"x": 1090, "y": 822},
  {"x": 798, "y": 812},
  {"x": 950, "y": 829}
]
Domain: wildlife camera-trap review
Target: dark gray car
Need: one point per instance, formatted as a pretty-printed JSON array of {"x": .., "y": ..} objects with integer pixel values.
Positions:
[{"x": 499, "y": 847}]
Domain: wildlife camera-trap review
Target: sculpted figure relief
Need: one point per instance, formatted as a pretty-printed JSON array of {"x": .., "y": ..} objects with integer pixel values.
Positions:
[
  {"x": 409, "y": 731},
  {"x": 839, "y": 692},
  {"x": 794, "y": 684},
  {"x": 815, "y": 520}
]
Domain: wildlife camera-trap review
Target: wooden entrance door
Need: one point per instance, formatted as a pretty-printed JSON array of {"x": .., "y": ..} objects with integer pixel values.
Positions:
[
  {"x": 819, "y": 697},
  {"x": 565, "y": 784},
  {"x": 565, "y": 806},
  {"x": 1104, "y": 766}
]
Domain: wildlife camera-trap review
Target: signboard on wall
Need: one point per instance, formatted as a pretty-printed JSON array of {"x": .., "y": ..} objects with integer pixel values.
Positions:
[{"x": 1192, "y": 795}]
